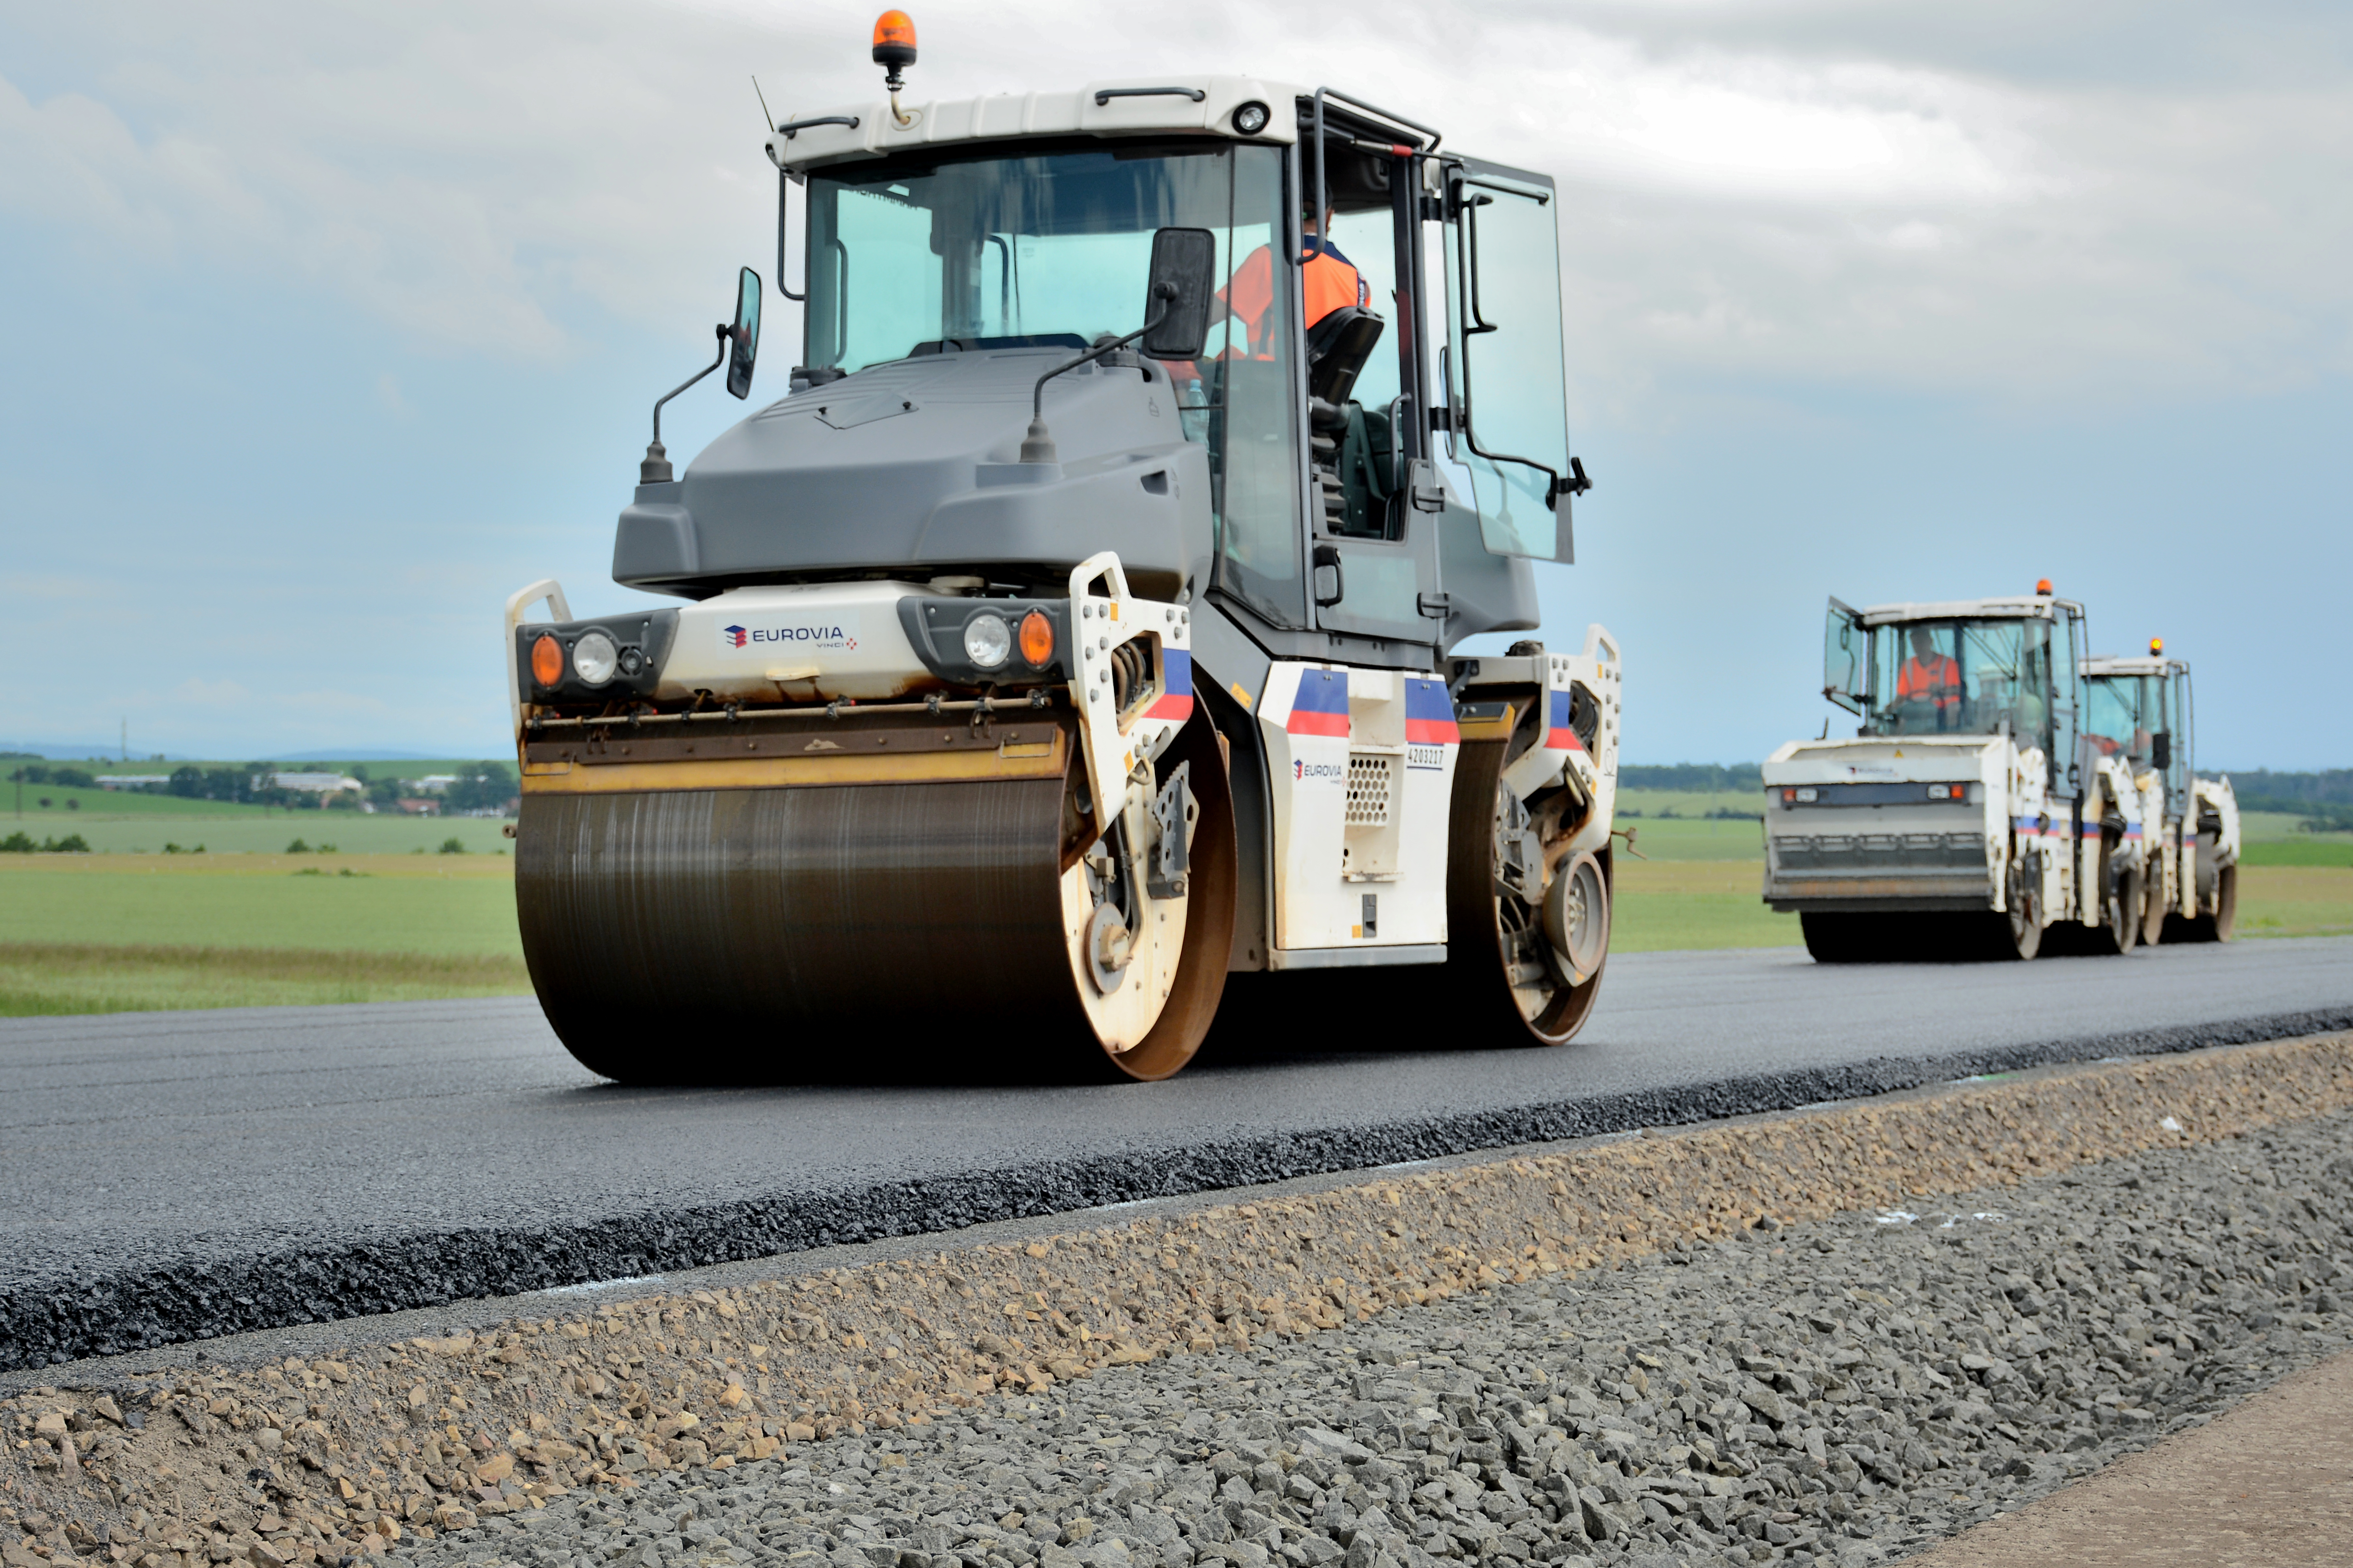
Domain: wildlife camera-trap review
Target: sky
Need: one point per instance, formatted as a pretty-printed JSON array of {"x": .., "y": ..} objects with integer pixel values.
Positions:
[{"x": 327, "y": 325}]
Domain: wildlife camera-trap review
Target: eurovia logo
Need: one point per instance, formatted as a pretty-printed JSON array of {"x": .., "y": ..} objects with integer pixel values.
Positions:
[{"x": 836, "y": 632}]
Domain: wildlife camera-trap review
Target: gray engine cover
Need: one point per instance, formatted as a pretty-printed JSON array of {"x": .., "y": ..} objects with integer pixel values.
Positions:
[{"x": 911, "y": 466}]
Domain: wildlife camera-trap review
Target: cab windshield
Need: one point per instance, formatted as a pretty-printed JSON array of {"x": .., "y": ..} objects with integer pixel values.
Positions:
[
  {"x": 2120, "y": 712},
  {"x": 1046, "y": 251},
  {"x": 1052, "y": 249},
  {"x": 1961, "y": 678}
]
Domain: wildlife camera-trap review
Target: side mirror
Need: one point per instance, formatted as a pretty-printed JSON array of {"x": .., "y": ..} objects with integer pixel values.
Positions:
[
  {"x": 1184, "y": 269},
  {"x": 2160, "y": 751},
  {"x": 743, "y": 337}
]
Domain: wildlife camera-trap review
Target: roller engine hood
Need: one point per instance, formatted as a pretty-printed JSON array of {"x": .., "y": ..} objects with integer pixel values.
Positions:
[{"x": 910, "y": 468}]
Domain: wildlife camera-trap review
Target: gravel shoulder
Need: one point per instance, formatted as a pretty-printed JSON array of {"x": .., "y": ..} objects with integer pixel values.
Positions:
[
  {"x": 1770, "y": 1337},
  {"x": 1846, "y": 1391}
]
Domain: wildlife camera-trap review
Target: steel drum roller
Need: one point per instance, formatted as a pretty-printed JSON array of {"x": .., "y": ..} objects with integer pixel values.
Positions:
[{"x": 684, "y": 935}]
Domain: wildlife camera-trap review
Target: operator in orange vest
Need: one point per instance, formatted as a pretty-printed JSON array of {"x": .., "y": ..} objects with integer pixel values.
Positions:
[
  {"x": 1930, "y": 676},
  {"x": 1327, "y": 280}
]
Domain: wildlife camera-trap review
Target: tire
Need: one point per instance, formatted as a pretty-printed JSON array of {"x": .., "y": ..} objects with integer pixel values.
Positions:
[
  {"x": 2119, "y": 932},
  {"x": 2018, "y": 933},
  {"x": 2152, "y": 914},
  {"x": 1503, "y": 973},
  {"x": 2221, "y": 922}
]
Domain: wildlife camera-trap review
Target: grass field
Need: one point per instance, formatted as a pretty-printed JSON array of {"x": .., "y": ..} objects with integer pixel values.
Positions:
[
  {"x": 441, "y": 905},
  {"x": 133, "y": 931},
  {"x": 1662, "y": 904}
]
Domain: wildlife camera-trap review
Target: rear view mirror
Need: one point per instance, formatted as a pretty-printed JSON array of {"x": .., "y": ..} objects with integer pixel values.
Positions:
[
  {"x": 1845, "y": 645},
  {"x": 743, "y": 337},
  {"x": 1184, "y": 267},
  {"x": 2160, "y": 751}
]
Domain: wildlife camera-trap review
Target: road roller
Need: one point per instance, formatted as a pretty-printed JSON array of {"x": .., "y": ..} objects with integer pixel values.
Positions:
[
  {"x": 1082, "y": 628},
  {"x": 1972, "y": 813},
  {"x": 2138, "y": 712}
]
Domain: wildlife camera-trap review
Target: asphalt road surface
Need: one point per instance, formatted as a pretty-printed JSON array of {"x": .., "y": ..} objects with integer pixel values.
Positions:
[{"x": 177, "y": 1175}]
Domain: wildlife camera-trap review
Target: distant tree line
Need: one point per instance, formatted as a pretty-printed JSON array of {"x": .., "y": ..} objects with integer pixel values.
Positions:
[
  {"x": 2324, "y": 800},
  {"x": 64, "y": 778},
  {"x": 477, "y": 787},
  {"x": 1694, "y": 778}
]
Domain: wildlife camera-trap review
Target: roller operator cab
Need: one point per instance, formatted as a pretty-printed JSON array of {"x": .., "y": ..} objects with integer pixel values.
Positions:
[
  {"x": 2138, "y": 712},
  {"x": 1079, "y": 628},
  {"x": 1971, "y": 812}
]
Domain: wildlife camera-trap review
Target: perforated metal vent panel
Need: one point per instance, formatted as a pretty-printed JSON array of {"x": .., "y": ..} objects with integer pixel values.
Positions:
[{"x": 1372, "y": 787}]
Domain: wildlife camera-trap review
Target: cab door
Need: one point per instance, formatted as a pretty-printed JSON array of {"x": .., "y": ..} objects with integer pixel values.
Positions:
[
  {"x": 1507, "y": 418},
  {"x": 1375, "y": 558}
]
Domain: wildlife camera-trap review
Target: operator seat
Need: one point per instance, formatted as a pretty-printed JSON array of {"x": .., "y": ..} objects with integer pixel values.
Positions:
[{"x": 1338, "y": 348}]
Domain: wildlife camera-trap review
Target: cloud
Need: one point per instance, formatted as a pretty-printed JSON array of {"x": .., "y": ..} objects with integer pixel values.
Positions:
[{"x": 1822, "y": 190}]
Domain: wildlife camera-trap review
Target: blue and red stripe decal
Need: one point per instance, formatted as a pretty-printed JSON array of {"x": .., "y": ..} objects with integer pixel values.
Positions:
[
  {"x": 1321, "y": 706},
  {"x": 1561, "y": 738},
  {"x": 1176, "y": 701},
  {"x": 1430, "y": 714}
]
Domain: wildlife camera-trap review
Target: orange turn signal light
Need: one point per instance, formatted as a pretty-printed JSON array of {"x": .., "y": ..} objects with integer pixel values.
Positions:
[
  {"x": 1037, "y": 637},
  {"x": 547, "y": 661}
]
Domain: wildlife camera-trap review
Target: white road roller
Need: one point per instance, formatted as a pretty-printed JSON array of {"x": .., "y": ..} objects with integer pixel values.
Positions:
[
  {"x": 1081, "y": 627},
  {"x": 1970, "y": 814},
  {"x": 2138, "y": 712}
]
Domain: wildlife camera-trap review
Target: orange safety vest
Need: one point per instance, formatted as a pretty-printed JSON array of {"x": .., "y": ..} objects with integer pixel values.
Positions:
[
  {"x": 1938, "y": 677},
  {"x": 1327, "y": 280}
]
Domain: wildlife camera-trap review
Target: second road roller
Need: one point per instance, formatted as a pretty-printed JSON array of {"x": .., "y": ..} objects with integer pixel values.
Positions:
[{"x": 1080, "y": 630}]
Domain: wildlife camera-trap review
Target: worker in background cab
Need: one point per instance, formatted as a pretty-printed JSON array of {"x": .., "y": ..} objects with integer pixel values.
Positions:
[
  {"x": 1328, "y": 280},
  {"x": 1930, "y": 676}
]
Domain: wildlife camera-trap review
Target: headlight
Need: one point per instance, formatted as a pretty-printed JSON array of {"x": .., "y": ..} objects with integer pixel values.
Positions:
[
  {"x": 1251, "y": 117},
  {"x": 594, "y": 658},
  {"x": 986, "y": 640}
]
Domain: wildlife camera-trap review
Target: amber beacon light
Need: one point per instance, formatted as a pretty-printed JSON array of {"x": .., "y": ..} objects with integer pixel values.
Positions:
[{"x": 894, "y": 44}]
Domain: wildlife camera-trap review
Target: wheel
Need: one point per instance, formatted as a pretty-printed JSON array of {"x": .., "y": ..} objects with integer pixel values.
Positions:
[
  {"x": 2018, "y": 932},
  {"x": 1206, "y": 944},
  {"x": 2119, "y": 928},
  {"x": 1527, "y": 921},
  {"x": 2153, "y": 907},
  {"x": 2220, "y": 920},
  {"x": 759, "y": 935}
]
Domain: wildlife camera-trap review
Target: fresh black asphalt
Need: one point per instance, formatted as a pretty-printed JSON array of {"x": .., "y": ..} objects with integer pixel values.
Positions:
[{"x": 179, "y": 1175}]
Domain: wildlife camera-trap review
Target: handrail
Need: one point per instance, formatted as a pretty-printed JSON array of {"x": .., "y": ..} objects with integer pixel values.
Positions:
[
  {"x": 792, "y": 127},
  {"x": 1104, "y": 95}
]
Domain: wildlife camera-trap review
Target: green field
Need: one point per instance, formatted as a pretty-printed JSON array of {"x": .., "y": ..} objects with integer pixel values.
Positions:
[
  {"x": 385, "y": 917},
  {"x": 435, "y": 904}
]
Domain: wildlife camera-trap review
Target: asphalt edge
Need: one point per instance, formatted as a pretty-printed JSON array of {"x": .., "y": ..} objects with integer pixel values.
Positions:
[{"x": 49, "y": 1323}]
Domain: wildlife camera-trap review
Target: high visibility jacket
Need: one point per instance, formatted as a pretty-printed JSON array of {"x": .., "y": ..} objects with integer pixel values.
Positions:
[
  {"x": 1935, "y": 677},
  {"x": 1327, "y": 278}
]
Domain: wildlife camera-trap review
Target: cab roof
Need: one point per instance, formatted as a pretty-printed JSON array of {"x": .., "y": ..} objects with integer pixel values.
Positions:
[
  {"x": 2027, "y": 607},
  {"x": 2136, "y": 664},
  {"x": 1099, "y": 109}
]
